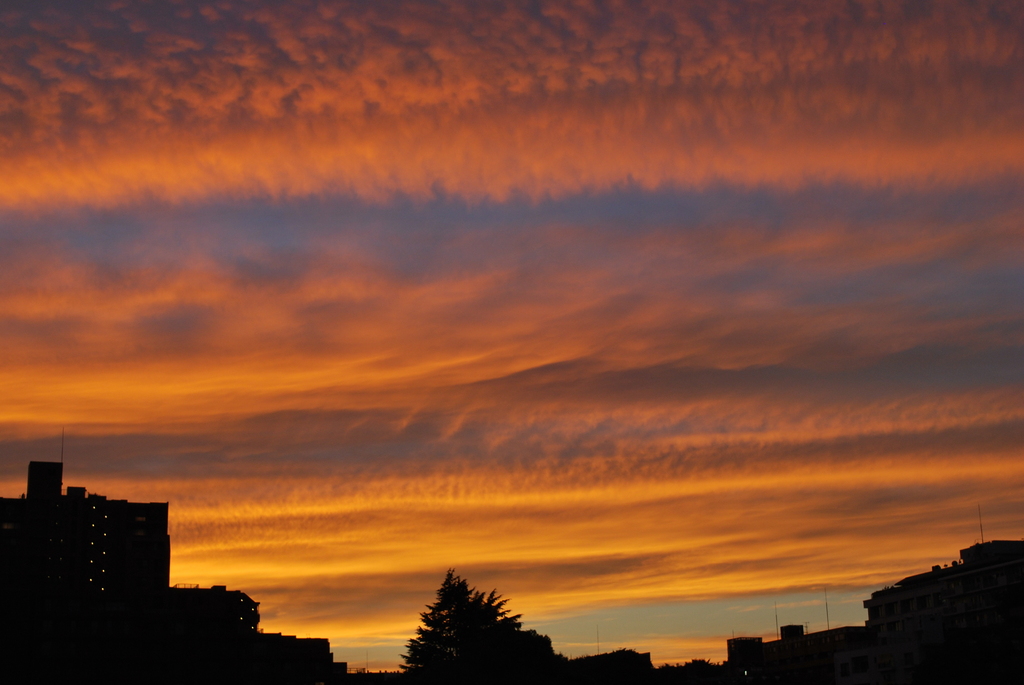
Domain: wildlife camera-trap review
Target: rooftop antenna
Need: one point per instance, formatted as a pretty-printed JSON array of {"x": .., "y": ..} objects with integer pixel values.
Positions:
[
  {"x": 828, "y": 624},
  {"x": 599, "y": 638},
  {"x": 980, "y": 525},
  {"x": 776, "y": 620}
]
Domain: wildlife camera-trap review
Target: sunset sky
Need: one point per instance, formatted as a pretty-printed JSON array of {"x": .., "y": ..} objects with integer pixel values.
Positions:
[{"x": 653, "y": 315}]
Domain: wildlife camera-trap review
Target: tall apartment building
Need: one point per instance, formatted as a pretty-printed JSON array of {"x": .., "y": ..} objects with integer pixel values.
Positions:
[
  {"x": 74, "y": 543},
  {"x": 84, "y": 597}
]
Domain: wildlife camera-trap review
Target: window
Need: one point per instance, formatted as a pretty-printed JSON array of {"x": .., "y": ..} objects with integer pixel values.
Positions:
[
  {"x": 924, "y": 602},
  {"x": 859, "y": 664},
  {"x": 844, "y": 670},
  {"x": 890, "y": 609},
  {"x": 875, "y": 612},
  {"x": 906, "y": 606}
]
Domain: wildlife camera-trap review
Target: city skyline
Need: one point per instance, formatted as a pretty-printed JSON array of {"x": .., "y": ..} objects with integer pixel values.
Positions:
[{"x": 651, "y": 316}]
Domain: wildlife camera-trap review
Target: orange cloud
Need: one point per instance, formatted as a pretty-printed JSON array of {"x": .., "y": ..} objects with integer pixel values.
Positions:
[{"x": 106, "y": 107}]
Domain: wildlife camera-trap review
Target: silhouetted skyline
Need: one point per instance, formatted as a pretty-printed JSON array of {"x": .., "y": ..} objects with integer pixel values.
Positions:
[{"x": 83, "y": 585}]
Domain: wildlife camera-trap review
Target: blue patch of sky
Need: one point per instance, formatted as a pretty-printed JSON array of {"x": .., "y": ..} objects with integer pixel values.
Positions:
[
  {"x": 287, "y": 223},
  {"x": 420, "y": 238}
]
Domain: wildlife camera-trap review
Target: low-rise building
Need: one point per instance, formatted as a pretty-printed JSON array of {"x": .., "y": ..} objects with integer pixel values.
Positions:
[
  {"x": 810, "y": 658},
  {"x": 745, "y": 655}
]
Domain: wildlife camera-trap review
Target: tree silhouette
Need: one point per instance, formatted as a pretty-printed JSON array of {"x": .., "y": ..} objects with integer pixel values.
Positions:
[{"x": 469, "y": 637}]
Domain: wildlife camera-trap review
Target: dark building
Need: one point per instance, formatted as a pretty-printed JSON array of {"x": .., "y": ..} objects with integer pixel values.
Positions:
[
  {"x": 84, "y": 597},
  {"x": 81, "y": 544},
  {"x": 960, "y": 622},
  {"x": 746, "y": 655},
  {"x": 810, "y": 659},
  {"x": 919, "y": 614}
]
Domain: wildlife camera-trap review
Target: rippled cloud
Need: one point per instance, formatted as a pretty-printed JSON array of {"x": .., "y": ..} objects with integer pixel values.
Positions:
[{"x": 104, "y": 104}]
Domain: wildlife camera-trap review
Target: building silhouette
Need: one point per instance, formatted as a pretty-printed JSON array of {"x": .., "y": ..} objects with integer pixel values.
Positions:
[
  {"x": 79, "y": 544},
  {"x": 972, "y": 608},
  {"x": 809, "y": 659},
  {"x": 745, "y": 656},
  {"x": 979, "y": 595},
  {"x": 84, "y": 597}
]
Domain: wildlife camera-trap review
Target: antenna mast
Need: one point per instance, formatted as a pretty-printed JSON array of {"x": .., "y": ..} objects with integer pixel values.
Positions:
[
  {"x": 828, "y": 624},
  {"x": 980, "y": 525},
  {"x": 776, "y": 620}
]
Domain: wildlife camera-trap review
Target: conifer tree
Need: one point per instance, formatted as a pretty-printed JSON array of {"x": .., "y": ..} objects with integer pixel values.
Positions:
[{"x": 467, "y": 636}]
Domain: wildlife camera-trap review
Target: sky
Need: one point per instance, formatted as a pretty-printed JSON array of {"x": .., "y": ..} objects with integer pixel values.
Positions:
[{"x": 661, "y": 318}]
